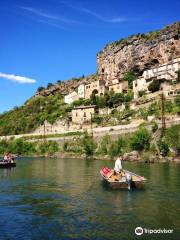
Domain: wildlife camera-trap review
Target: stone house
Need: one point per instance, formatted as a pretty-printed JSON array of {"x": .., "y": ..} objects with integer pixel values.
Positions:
[
  {"x": 167, "y": 72},
  {"x": 118, "y": 86},
  {"x": 81, "y": 90},
  {"x": 71, "y": 97},
  {"x": 83, "y": 114},
  {"x": 99, "y": 87}
]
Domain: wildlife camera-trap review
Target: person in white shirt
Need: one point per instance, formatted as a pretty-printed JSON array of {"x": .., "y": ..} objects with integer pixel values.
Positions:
[{"x": 118, "y": 165}]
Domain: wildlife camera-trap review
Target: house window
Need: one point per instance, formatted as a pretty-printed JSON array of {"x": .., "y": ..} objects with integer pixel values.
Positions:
[
  {"x": 76, "y": 114},
  {"x": 84, "y": 114}
]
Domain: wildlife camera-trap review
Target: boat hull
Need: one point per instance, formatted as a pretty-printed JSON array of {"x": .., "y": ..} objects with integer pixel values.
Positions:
[
  {"x": 7, "y": 165},
  {"x": 122, "y": 184}
]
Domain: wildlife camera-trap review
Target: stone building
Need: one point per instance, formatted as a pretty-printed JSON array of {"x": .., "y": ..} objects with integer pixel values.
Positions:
[
  {"x": 81, "y": 90},
  {"x": 98, "y": 87},
  {"x": 83, "y": 114},
  {"x": 71, "y": 97},
  {"x": 167, "y": 72},
  {"x": 118, "y": 86}
]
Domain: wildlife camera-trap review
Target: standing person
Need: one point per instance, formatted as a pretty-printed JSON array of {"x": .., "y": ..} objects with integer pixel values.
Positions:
[{"x": 118, "y": 165}]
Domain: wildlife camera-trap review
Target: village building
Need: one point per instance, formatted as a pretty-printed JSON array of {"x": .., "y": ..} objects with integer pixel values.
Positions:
[
  {"x": 166, "y": 72},
  {"x": 71, "y": 97},
  {"x": 118, "y": 86},
  {"x": 98, "y": 87},
  {"x": 83, "y": 114},
  {"x": 81, "y": 90}
]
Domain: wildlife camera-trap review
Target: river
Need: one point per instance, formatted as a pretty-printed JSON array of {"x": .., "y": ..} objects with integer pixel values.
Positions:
[{"x": 65, "y": 199}]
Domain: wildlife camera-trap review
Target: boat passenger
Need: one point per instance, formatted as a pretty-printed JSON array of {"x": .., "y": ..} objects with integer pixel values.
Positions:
[
  {"x": 10, "y": 158},
  {"x": 118, "y": 165},
  {"x": 5, "y": 157}
]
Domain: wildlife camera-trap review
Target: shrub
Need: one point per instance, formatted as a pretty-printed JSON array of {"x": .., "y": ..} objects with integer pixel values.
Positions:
[
  {"x": 163, "y": 147},
  {"x": 104, "y": 145},
  {"x": 88, "y": 145},
  {"x": 154, "y": 86},
  {"x": 21, "y": 147},
  {"x": 172, "y": 137},
  {"x": 116, "y": 147},
  {"x": 49, "y": 85},
  {"x": 154, "y": 127},
  {"x": 140, "y": 139},
  {"x": 48, "y": 147},
  {"x": 65, "y": 146},
  {"x": 40, "y": 89},
  {"x": 97, "y": 119},
  {"x": 129, "y": 77},
  {"x": 141, "y": 93}
]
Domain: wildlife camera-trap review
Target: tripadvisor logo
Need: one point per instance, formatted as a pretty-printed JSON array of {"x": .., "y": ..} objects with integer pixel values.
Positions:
[{"x": 139, "y": 231}]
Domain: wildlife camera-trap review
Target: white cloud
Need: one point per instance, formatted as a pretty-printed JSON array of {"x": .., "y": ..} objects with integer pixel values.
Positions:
[
  {"x": 94, "y": 14},
  {"x": 48, "y": 16},
  {"x": 18, "y": 79}
]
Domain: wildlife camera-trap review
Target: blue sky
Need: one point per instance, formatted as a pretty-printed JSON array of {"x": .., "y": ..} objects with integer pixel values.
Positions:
[{"x": 46, "y": 40}]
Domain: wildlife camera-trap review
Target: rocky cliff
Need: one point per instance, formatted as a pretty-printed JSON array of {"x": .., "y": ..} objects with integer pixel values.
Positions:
[{"x": 139, "y": 52}]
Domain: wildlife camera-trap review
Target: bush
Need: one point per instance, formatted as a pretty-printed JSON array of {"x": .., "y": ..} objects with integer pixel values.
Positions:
[
  {"x": 88, "y": 145},
  {"x": 163, "y": 147},
  {"x": 129, "y": 77},
  {"x": 40, "y": 89},
  {"x": 172, "y": 137},
  {"x": 154, "y": 86},
  {"x": 21, "y": 147},
  {"x": 104, "y": 145},
  {"x": 141, "y": 93},
  {"x": 48, "y": 147},
  {"x": 116, "y": 147},
  {"x": 154, "y": 127},
  {"x": 140, "y": 140},
  {"x": 49, "y": 85}
]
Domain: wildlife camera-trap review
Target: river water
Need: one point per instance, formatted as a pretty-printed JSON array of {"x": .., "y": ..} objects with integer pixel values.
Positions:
[{"x": 65, "y": 199}]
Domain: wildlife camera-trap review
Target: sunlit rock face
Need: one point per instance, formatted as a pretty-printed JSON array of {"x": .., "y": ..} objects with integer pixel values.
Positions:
[{"x": 139, "y": 52}]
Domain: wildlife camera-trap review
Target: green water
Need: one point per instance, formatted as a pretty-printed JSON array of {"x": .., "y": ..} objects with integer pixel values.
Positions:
[{"x": 65, "y": 199}]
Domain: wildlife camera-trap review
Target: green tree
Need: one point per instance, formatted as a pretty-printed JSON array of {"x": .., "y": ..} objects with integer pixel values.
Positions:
[
  {"x": 130, "y": 77},
  {"x": 140, "y": 139},
  {"x": 154, "y": 86}
]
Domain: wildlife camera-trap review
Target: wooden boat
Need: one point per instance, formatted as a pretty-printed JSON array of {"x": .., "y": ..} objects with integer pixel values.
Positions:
[
  {"x": 7, "y": 164},
  {"x": 120, "y": 181}
]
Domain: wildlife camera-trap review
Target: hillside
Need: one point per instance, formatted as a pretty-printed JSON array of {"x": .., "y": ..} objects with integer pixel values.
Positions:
[{"x": 136, "y": 53}]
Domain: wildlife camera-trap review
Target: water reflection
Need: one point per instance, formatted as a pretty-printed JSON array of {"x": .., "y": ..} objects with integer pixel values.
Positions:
[{"x": 65, "y": 199}]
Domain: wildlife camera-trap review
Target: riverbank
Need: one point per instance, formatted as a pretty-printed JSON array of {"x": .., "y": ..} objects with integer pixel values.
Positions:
[
  {"x": 144, "y": 145},
  {"x": 127, "y": 157}
]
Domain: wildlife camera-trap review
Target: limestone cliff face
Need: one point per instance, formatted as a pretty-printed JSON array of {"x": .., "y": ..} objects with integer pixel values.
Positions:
[{"x": 139, "y": 52}]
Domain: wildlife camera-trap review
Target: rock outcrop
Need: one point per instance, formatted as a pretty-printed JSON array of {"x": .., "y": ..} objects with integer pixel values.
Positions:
[
  {"x": 65, "y": 87},
  {"x": 139, "y": 52}
]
